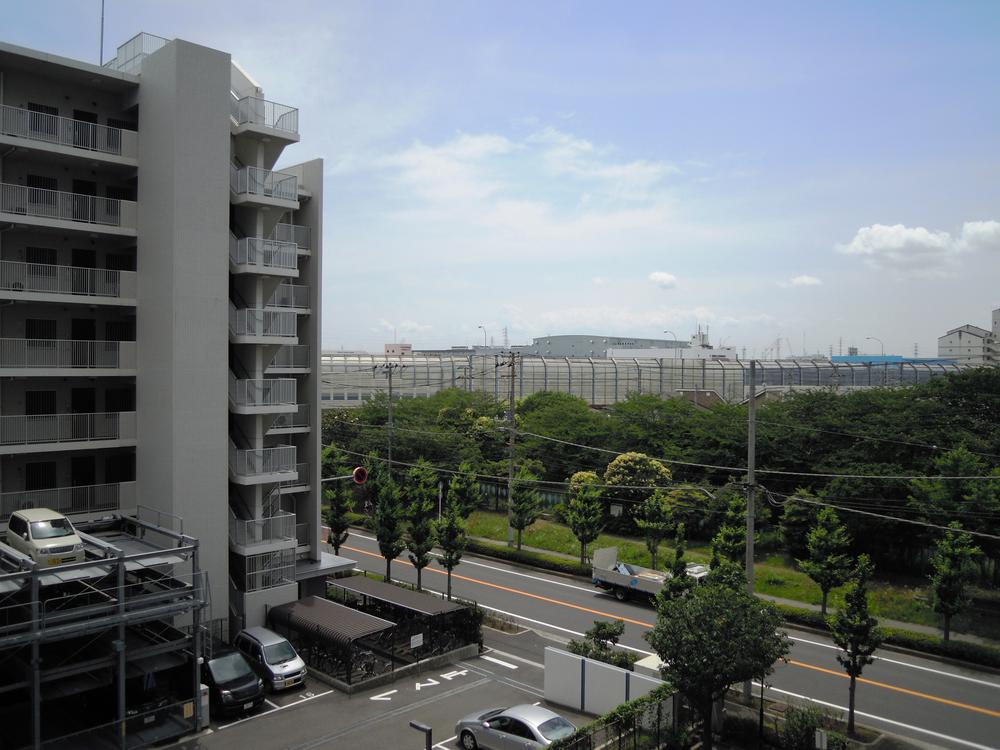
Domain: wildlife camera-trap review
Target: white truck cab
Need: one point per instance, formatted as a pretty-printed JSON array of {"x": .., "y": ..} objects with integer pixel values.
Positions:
[{"x": 46, "y": 536}]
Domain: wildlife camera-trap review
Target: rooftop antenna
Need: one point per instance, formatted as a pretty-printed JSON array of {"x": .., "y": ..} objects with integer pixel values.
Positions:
[{"x": 101, "y": 56}]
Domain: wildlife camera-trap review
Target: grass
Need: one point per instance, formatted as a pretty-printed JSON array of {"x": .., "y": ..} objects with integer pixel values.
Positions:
[{"x": 774, "y": 575}]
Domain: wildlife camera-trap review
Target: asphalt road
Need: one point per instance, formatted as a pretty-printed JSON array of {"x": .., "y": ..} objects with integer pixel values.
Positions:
[{"x": 929, "y": 701}]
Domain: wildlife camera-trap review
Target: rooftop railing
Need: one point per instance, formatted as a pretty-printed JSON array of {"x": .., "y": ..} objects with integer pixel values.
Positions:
[
  {"x": 134, "y": 51},
  {"x": 265, "y": 253},
  {"x": 63, "y": 131},
  {"x": 255, "y": 111},
  {"x": 65, "y": 353},
  {"x": 46, "y": 279},
  {"x": 31, "y": 429},
  {"x": 263, "y": 182},
  {"x": 55, "y": 204}
]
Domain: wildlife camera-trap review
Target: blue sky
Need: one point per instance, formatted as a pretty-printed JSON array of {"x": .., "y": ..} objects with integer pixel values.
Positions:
[{"x": 818, "y": 173}]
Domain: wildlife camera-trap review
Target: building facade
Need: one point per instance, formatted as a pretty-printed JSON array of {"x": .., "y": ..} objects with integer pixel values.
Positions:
[
  {"x": 972, "y": 345},
  {"x": 160, "y": 324},
  {"x": 591, "y": 345}
]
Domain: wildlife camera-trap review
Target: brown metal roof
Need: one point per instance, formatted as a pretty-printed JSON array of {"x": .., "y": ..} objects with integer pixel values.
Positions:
[
  {"x": 315, "y": 616},
  {"x": 418, "y": 601}
]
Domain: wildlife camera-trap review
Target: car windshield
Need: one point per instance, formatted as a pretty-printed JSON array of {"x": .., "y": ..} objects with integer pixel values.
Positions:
[
  {"x": 51, "y": 529},
  {"x": 556, "y": 728},
  {"x": 277, "y": 653},
  {"x": 229, "y": 667}
]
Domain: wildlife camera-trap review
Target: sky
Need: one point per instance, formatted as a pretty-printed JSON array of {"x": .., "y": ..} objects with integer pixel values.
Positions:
[{"x": 822, "y": 175}]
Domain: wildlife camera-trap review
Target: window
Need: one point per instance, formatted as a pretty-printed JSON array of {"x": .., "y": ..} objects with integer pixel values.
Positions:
[
  {"x": 40, "y": 475},
  {"x": 43, "y": 121},
  {"x": 17, "y": 525},
  {"x": 41, "y": 195},
  {"x": 41, "y": 255},
  {"x": 39, "y": 329},
  {"x": 39, "y": 402}
]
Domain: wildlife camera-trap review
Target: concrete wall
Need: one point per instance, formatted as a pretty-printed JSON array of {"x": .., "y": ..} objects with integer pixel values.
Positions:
[
  {"x": 591, "y": 686},
  {"x": 182, "y": 297}
]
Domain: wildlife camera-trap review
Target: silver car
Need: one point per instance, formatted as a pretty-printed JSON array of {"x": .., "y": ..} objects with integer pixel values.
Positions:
[
  {"x": 272, "y": 657},
  {"x": 515, "y": 728}
]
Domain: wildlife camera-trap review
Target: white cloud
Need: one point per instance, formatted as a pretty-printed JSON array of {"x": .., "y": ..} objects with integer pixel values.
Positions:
[
  {"x": 801, "y": 280},
  {"x": 599, "y": 281},
  {"x": 663, "y": 279},
  {"x": 918, "y": 250}
]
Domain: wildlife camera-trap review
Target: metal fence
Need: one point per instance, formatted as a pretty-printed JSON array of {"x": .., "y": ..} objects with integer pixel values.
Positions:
[
  {"x": 94, "y": 498},
  {"x": 263, "y": 182},
  {"x": 262, "y": 392},
  {"x": 30, "y": 429},
  {"x": 265, "y": 253},
  {"x": 290, "y": 295},
  {"x": 276, "y": 528},
  {"x": 254, "y": 322},
  {"x": 291, "y": 357},
  {"x": 63, "y": 131},
  {"x": 648, "y": 723},
  {"x": 256, "y": 111},
  {"x": 55, "y": 204},
  {"x": 269, "y": 569},
  {"x": 253, "y": 462},
  {"x": 60, "y": 353},
  {"x": 46, "y": 279},
  {"x": 291, "y": 420},
  {"x": 134, "y": 51},
  {"x": 300, "y": 234}
]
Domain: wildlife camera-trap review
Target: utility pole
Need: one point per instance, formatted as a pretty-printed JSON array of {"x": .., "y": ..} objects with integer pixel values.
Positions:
[
  {"x": 388, "y": 368},
  {"x": 510, "y": 360},
  {"x": 751, "y": 490}
]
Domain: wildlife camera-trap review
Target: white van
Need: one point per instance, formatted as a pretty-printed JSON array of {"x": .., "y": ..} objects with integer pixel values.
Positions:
[{"x": 44, "y": 535}]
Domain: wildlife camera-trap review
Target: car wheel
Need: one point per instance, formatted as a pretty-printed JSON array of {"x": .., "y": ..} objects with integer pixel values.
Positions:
[
  {"x": 469, "y": 741},
  {"x": 621, "y": 594}
]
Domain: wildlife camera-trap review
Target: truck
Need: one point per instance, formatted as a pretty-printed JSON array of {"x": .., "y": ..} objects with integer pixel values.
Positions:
[{"x": 625, "y": 579}]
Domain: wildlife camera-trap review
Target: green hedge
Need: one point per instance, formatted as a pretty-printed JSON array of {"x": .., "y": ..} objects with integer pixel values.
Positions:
[{"x": 535, "y": 559}]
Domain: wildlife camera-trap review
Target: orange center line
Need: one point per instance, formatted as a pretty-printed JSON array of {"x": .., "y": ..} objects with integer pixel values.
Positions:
[{"x": 640, "y": 623}]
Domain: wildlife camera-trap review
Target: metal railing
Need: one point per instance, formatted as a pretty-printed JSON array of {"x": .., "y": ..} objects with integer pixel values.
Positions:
[
  {"x": 257, "y": 251},
  {"x": 88, "y": 282},
  {"x": 46, "y": 128},
  {"x": 63, "y": 353},
  {"x": 249, "y": 321},
  {"x": 264, "y": 182},
  {"x": 30, "y": 429},
  {"x": 300, "y": 234},
  {"x": 302, "y": 534},
  {"x": 293, "y": 356},
  {"x": 255, "y": 111},
  {"x": 254, "y": 462},
  {"x": 302, "y": 470},
  {"x": 288, "y": 420},
  {"x": 55, "y": 204},
  {"x": 94, "y": 498},
  {"x": 269, "y": 569},
  {"x": 134, "y": 51},
  {"x": 277, "y": 528},
  {"x": 294, "y": 296},
  {"x": 262, "y": 392}
]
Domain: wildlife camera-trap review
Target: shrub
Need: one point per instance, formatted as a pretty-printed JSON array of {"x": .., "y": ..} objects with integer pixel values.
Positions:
[
  {"x": 527, "y": 557},
  {"x": 740, "y": 731},
  {"x": 799, "y": 729}
]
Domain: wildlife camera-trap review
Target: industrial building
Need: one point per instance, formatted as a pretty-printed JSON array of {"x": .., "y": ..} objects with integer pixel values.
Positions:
[
  {"x": 590, "y": 345},
  {"x": 971, "y": 344}
]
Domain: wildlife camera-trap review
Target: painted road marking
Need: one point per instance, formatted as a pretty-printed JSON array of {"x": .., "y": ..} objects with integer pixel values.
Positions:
[
  {"x": 275, "y": 710},
  {"x": 453, "y": 674},
  {"x": 383, "y": 696},
  {"x": 805, "y": 665},
  {"x": 443, "y": 743},
  {"x": 501, "y": 663},
  {"x": 270, "y": 703},
  {"x": 515, "y": 657},
  {"x": 431, "y": 682}
]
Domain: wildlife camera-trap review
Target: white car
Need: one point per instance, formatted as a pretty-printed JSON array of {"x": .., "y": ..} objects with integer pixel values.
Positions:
[{"x": 46, "y": 536}]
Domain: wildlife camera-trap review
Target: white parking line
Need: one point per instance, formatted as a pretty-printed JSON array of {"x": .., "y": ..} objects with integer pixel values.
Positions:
[
  {"x": 275, "y": 710},
  {"x": 497, "y": 661},
  {"x": 515, "y": 657},
  {"x": 270, "y": 703},
  {"x": 442, "y": 743}
]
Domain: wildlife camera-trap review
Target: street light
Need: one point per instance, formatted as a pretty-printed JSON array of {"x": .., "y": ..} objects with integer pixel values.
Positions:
[
  {"x": 484, "y": 335},
  {"x": 876, "y": 338},
  {"x": 674, "y": 335}
]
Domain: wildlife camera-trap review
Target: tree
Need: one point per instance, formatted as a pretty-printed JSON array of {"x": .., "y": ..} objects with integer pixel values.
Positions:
[
  {"x": 714, "y": 637},
  {"x": 464, "y": 489},
  {"x": 855, "y": 631},
  {"x": 653, "y": 520},
  {"x": 730, "y": 541},
  {"x": 420, "y": 496},
  {"x": 584, "y": 512},
  {"x": 678, "y": 582},
  {"x": 599, "y": 643},
  {"x": 526, "y": 504},
  {"x": 952, "y": 565},
  {"x": 341, "y": 502},
  {"x": 828, "y": 563},
  {"x": 796, "y": 521},
  {"x": 389, "y": 524},
  {"x": 633, "y": 476},
  {"x": 450, "y": 533}
]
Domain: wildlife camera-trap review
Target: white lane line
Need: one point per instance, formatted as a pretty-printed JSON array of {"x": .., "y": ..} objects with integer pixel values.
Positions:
[
  {"x": 505, "y": 680},
  {"x": 442, "y": 743},
  {"x": 270, "y": 703},
  {"x": 985, "y": 683},
  {"x": 497, "y": 661},
  {"x": 275, "y": 710},
  {"x": 937, "y": 735},
  {"x": 515, "y": 657}
]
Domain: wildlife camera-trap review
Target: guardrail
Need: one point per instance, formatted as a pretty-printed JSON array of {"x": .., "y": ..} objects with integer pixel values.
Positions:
[
  {"x": 254, "y": 462},
  {"x": 30, "y": 429},
  {"x": 266, "y": 253},
  {"x": 291, "y": 356},
  {"x": 263, "y": 182},
  {"x": 295, "y": 296},
  {"x": 256, "y": 111},
  {"x": 134, "y": 51},
  {"x": 249, "y": 321},
  {"x": 244, "y": 533},
  {"x": 88, "y": 282},
  {"x": 262, "y": 392},
  {"x": 63, "y": 353},
  {"x": 55, "y": 204},
  {"x": 287, "y": 420},
  {"x": 269, "y": 569},
  {"x": 93, "y": 498},
  {"x": 64, "y": 131},
  {"x": 302, "y": 470},
  {"x": 300, "y": 234}
]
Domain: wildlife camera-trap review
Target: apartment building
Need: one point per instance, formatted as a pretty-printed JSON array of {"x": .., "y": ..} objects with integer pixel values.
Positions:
[{"x": 160, "y": 309}]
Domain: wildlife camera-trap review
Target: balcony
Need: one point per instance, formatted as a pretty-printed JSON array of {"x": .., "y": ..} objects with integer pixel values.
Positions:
[
  {"x": 39, "y": 282},
  {"x": 253, "y": 326},
  {"x": 134, "y": 51},
  {"x": 292, "y": 359},
  {"x": 66, "y": 136},
  {"x": 59, "y": 210},
  {"x": 34, "y": 433},
  {"x": 264, "y": 396},
  {"x": 261, "y": 465},
  {"x": 63, "y": 357},
  {"x": 94, "y": 498},
  {"x": 291, "y": 422},
  {"x": 276, "y": 532},
  {"x": 299, "y": 483},
  {"x": 291, "y": 296},
  {"x": 263, "y": 187},
  {"x": 263, "y": 256},
  {"x": 300, "y": 234},
  {"x": 269, "y": 117}
]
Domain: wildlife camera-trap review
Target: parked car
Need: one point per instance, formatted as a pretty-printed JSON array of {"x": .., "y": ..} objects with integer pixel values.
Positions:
[
  {"x": 44, "y": 535},
  {"x": 272, "y": 657},
  {"x": 233, "y": 687},
  {"x": 515, "y": 728}
]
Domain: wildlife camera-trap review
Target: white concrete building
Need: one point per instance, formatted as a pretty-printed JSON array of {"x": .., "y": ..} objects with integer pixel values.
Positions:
[
  {"x": 160, "y": 319},
  {"x": 972, "y": 345}
]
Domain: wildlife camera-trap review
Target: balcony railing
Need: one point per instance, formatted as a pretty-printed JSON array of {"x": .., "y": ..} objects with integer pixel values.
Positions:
[
  {"x": 30, "y": 429},
  {"x": 300, "y": 234},
  {"x": 262, "y": 392},
  {"x": 63, "y": 131},
  {"x": 269, "y": 570},
  {"x": 289, "y": 420},
  {"x": 302, "y": 534},
  {"x": 63, "y": 353},
  {"x": 266, "y": 253},
  {"x": 295, "y": 356},
  {"x": 250, "y": 321},
  {"x": 55, "y": 204},
  {"x": 255, "y": 462},
  {"x": 294, "y": 296},
  {"x": 46, "y": 279},
  {"x": 302, "y": 469},
  {"x": 134, "y": 51},
  {"x": 254, "y": 111},
  {"x": 94, "y": 498},
  {"x": 263, "y": 182},
  {"x": 277, "y": 528}
]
